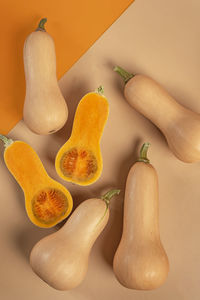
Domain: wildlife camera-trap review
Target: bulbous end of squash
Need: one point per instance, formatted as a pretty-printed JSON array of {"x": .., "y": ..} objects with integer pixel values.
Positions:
[
  {"x": 49, "y": 206},
  {"x": 79, "y": 164}
]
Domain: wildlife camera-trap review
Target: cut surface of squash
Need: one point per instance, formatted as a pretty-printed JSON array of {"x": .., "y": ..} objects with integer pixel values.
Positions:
[
  {"x": 49, "y": 205},
  {"x": 47, "y": 201},
  {"x": 79, "y": 160},
  {"x": 78, "y": 164}
]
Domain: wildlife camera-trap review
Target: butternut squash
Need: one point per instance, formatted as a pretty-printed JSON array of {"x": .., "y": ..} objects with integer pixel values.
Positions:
[
  {"x": 47, "y": 202},
  {"x": 140, "y": 261},
  {"x": 61, "y": 259},
  {"x": 180, "y": 126},
  {"x": 79, "y": 160},
  {"x": 45, "y": 109}
]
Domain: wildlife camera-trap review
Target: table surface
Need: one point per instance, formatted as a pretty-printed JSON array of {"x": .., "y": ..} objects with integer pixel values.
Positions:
[{"x": 159, "y": 39}]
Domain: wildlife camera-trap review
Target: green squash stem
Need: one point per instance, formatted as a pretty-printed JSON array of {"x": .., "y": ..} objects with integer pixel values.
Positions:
[
  {"x": 100, "y": 90},
  {"x": 109, "y": 195},
  {"x": 106, "y": 198},
  {"x": 41, "y": 25},
  {"x": 7, "y": 142},
  {"x": 123, "y": 73},
  {"x": 143, "y": 153}
]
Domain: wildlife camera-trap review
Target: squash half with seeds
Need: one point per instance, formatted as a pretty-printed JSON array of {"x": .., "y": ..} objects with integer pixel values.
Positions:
[
  {"x": 79, "y": 160},
  {"x": 47, "y": 201}
]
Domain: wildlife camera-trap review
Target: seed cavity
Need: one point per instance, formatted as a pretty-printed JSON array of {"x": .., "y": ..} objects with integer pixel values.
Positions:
[
  {"x": 78, "y": 164},
  {"x": 49, "y": 205}
]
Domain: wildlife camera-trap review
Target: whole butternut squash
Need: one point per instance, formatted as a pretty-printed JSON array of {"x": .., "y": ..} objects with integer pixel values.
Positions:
[
  {"x": 45, "y": 109},
  {"x": 47, "y": 202},
  {"x": 61, "y": 259},
  {"x": 79, "y": 160},
  {"x": 180, "y": 126},
  {"x": 140, "y": 261}
]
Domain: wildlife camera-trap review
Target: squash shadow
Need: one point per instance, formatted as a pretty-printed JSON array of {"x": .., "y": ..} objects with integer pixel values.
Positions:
[
  {"x": 80, "y": 196},
  {"x": 24, "y": 240},
  {"x": 72, "y": 96},
  {"x": 113, "y": 230},
  {"x": 117, "y": 82}
]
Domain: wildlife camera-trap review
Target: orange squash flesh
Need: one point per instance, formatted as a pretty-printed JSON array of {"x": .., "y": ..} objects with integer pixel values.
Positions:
[
  {"x": 47, "y": 202},
  {"x": 79, "y": 160}
]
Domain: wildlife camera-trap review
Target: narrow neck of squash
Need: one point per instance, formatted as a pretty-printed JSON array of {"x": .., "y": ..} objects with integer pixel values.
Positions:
[
  {"x": 90, "y": 118},
  {"x": 25, "y": 165}
]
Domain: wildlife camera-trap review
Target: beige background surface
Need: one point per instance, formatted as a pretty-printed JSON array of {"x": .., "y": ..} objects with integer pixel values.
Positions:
[{"x": 160, "y": 39}]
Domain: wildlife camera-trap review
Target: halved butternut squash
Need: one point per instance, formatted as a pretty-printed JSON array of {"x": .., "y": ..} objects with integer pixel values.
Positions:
[
  {"x": 79, "y": 160},
  {"x": 47, "y": 201}
]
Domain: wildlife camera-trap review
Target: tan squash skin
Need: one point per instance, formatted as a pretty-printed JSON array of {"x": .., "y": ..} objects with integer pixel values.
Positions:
[
  {"x": 140, "y": 261},
  {"x": 61, "y": 259},
  {"x": 45, "y": 109},
  {"x": 180, "y": 126}
]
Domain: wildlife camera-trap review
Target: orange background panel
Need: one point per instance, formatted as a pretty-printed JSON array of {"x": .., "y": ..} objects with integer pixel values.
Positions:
[{"x": 74, "y": 25}]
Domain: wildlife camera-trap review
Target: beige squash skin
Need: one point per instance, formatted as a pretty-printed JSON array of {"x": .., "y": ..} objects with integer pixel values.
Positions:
[
  {"x": 61, "y": 259},
  {"x": 45, "y": 109},
  {"x": 140, "y": 261},
  {"x": 180, "y": 125}
]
